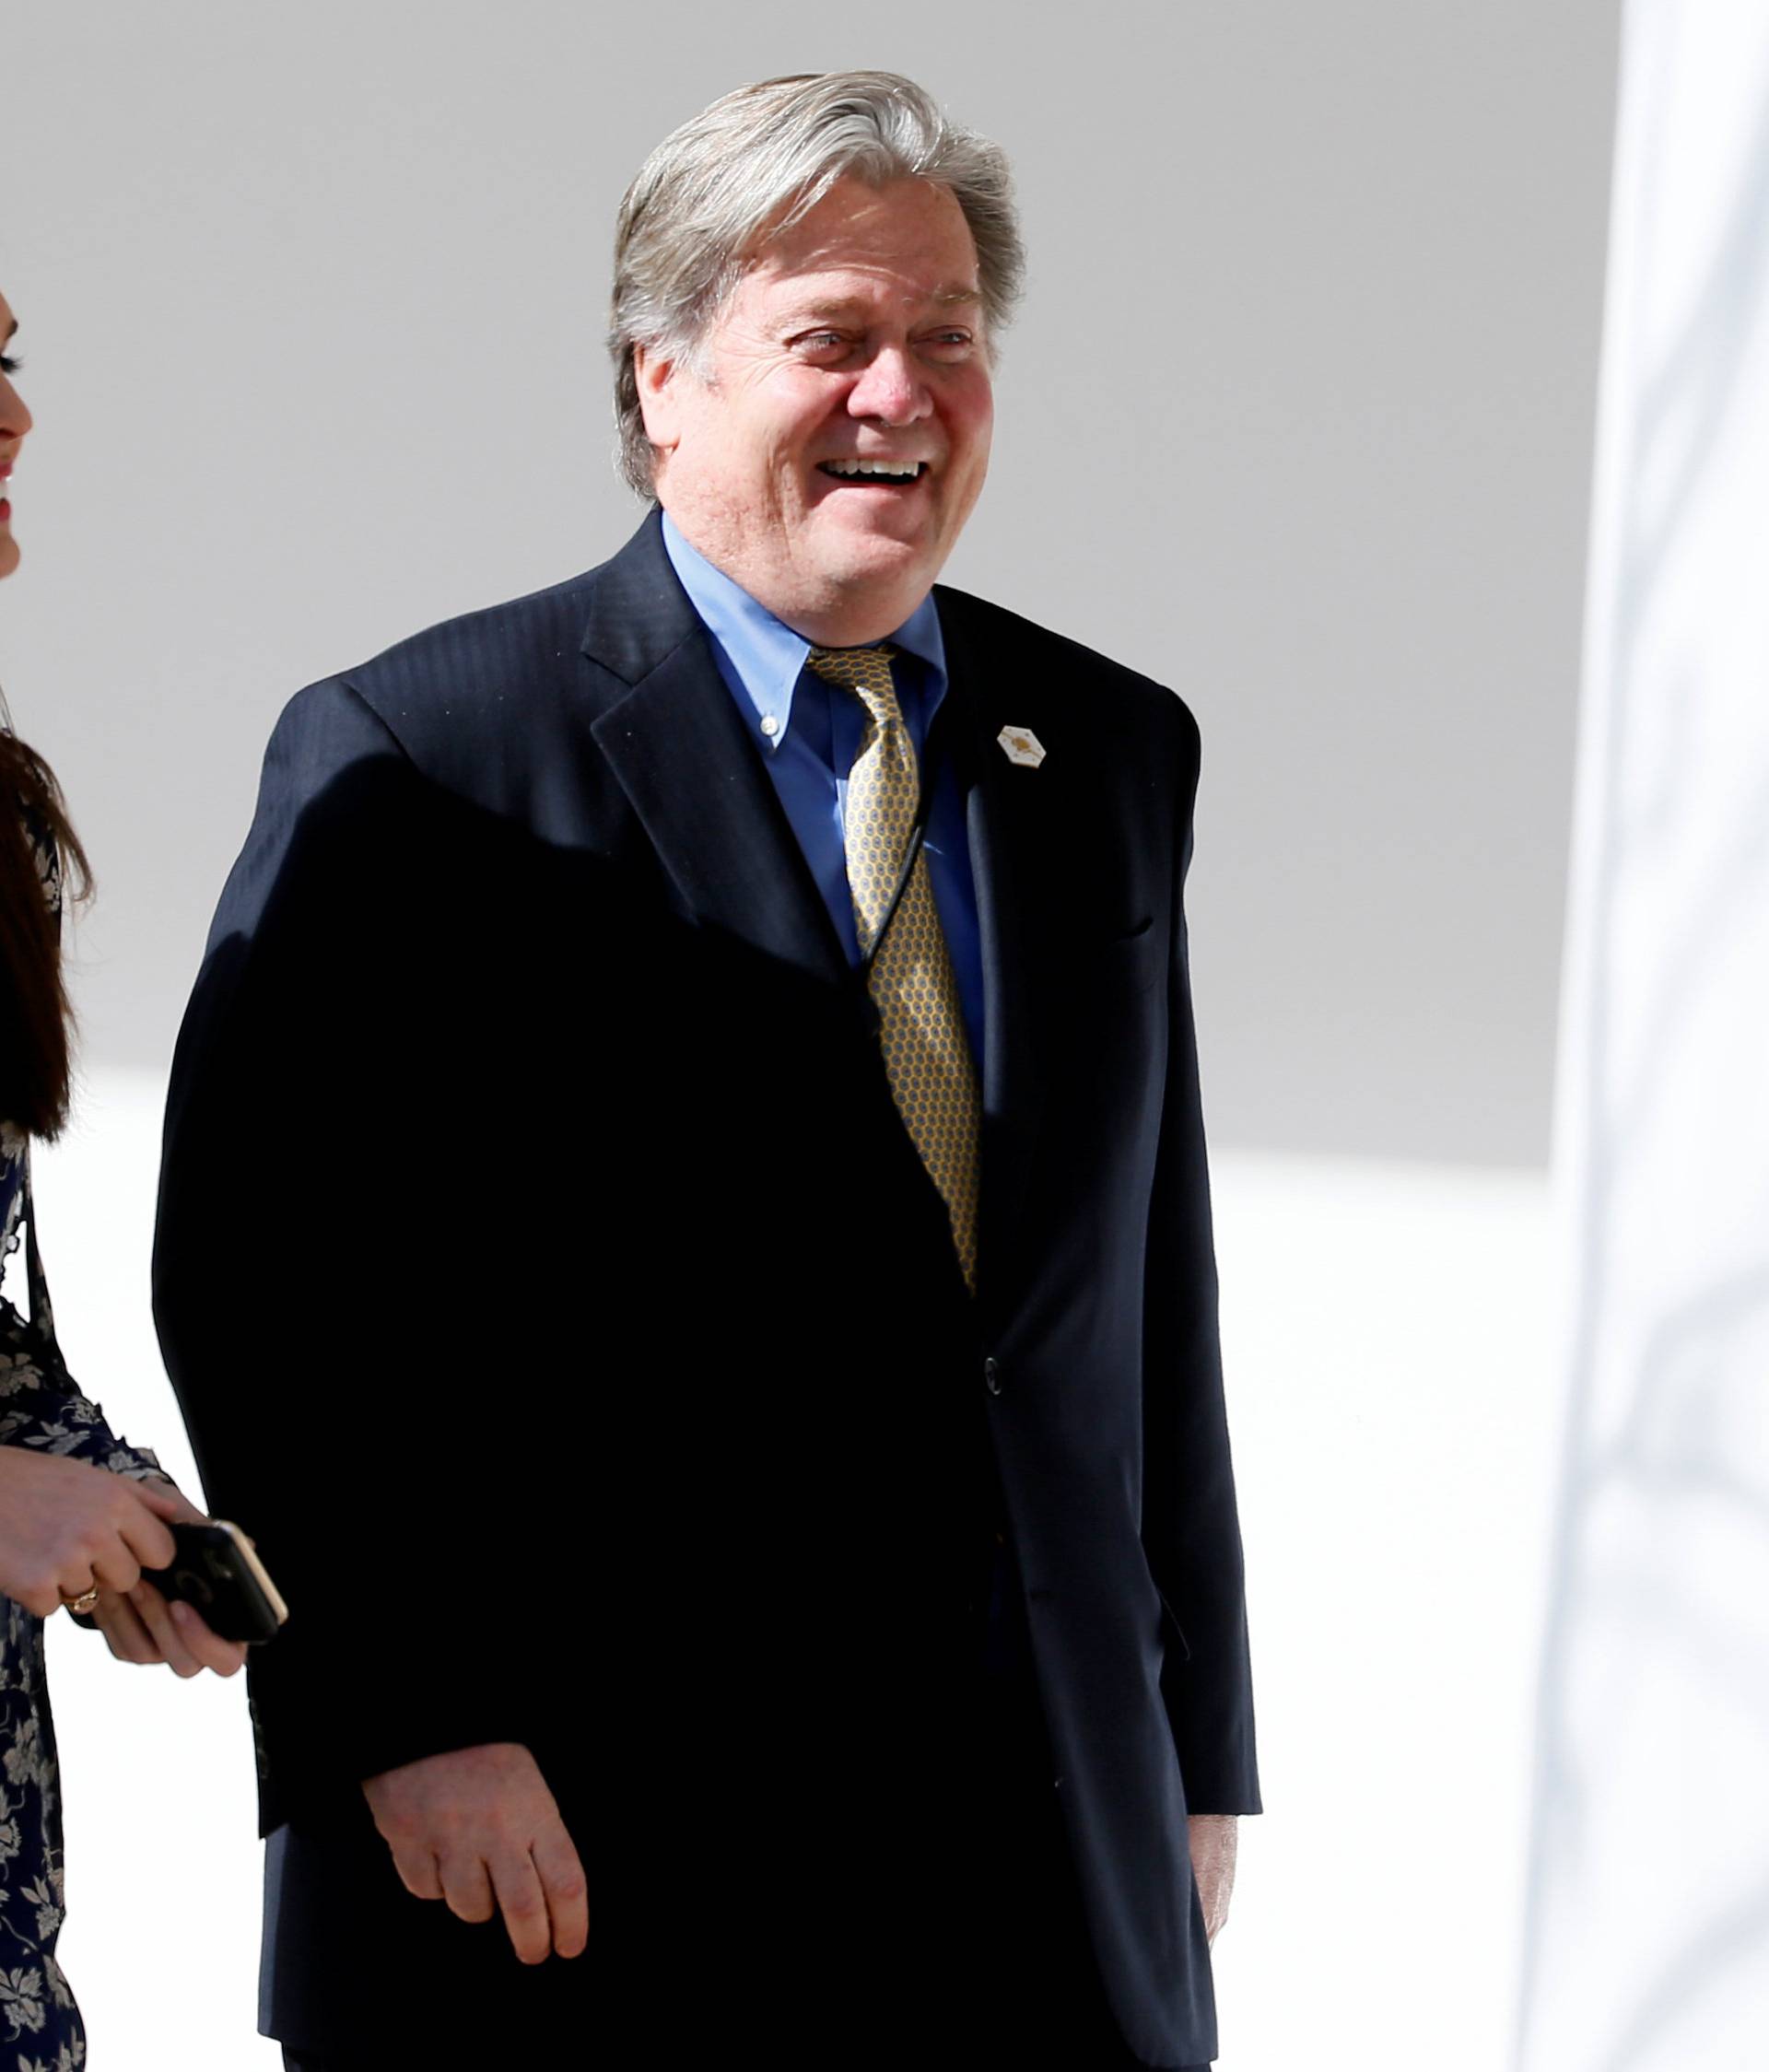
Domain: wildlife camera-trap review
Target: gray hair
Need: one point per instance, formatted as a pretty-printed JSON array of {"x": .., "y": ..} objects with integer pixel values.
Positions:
[{"x": 753, "y": 163}]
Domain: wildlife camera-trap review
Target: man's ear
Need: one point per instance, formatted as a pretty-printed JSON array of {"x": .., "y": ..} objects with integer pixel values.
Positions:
[{"x": 659, "y": 383}]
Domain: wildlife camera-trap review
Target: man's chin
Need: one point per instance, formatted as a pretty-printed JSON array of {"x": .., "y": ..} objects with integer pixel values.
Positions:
[{"x": 856, "y": 557}]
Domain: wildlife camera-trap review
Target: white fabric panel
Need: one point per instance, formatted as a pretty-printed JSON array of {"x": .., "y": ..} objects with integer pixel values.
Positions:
[{"x": 1647, "y": 1929}]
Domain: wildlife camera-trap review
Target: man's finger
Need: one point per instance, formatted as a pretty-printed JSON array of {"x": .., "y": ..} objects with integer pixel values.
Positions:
[
  {"x": 523, "y": 1907},
  {"x": 419, "y": 1872},
  {"x": 466, "y": 1886},
  {"x": 560, "y": 1870},
  {"x": 157, "y": 1616}
]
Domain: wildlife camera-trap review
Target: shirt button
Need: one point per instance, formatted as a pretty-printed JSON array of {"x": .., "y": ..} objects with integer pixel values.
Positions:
[
  {"x": 993, "y": 1376},
  {"x": 771, "y": 725}
]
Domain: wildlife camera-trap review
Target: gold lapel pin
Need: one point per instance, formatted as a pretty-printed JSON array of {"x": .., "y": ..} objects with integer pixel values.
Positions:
[{"x": 1021, "y": 746}]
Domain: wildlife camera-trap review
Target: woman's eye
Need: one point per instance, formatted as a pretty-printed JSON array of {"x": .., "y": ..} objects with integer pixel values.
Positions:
[{"x": 8, "y": 365}]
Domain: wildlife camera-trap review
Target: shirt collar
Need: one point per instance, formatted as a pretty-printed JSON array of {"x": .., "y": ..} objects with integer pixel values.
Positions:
[{"x": 766, "y": 658}]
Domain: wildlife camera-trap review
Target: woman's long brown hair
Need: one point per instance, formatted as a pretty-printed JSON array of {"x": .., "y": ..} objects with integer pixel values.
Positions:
[{"x": 36, "y": 1021}]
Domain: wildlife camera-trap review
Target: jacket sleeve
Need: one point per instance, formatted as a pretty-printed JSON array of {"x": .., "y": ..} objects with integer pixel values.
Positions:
[
  {"x": 1190, "y": 1528},
  {"x": 41, "y": 1408},
  {"x": 319, "y": 1199}
]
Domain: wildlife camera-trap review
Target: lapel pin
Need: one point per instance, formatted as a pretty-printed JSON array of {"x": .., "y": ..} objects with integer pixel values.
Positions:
[{"x": 1021, "y": 746}]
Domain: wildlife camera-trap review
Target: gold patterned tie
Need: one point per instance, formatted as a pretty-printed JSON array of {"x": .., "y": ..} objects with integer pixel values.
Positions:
[{"x": 921, "y": 1024}]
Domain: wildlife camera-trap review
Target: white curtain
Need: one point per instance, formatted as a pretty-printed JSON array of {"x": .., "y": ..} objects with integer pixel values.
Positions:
[{"x": 1647, "y": 1914}]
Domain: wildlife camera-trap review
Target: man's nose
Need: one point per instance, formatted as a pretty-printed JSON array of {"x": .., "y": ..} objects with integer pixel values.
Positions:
[{"x": 890, "y": 389}]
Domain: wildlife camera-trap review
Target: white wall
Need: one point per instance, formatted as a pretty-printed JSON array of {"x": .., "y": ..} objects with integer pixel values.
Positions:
[
  {"x": 1296, "y": 417},
  {"x": 1649, "y": 1924}
]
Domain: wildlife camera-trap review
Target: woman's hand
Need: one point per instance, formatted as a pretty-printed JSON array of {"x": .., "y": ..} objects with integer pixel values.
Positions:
[
  {"x": 140, "y": 1625},
  {"x": 66, "y": 1529}
]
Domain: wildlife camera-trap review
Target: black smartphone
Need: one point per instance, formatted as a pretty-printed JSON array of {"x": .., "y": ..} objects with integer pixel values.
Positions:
[{"x": 216, "y": 1572}]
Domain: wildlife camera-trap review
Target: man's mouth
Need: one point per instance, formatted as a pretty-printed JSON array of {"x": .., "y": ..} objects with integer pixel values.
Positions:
[{"x": 873, "y": 471}]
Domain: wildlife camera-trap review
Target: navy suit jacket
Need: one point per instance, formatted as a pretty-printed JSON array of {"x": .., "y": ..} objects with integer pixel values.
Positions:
[{"x": 475, "y": 1088}]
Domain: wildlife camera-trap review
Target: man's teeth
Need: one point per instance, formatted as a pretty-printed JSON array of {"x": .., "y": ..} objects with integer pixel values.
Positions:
[{"x": 887, "y": 471}]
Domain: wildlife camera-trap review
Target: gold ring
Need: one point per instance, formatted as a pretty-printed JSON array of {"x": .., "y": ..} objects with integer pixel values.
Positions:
[{"x": 85, "y": 1601}]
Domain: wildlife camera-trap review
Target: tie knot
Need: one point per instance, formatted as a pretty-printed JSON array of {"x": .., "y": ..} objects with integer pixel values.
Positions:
[{"x": 866, "y": 671}]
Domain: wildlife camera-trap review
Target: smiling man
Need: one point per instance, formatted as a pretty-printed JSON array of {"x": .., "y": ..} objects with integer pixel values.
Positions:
[
  {"x": 805, "y": 1606},
  {"x": 825, "y": 442}
]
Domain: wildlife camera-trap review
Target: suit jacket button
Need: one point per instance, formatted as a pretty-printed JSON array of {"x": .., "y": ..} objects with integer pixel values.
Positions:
[{"x": 993, "y": 1376}]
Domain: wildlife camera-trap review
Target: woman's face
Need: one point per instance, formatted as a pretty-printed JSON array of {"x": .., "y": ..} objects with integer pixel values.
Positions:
[{"x": 14, "y": 422}]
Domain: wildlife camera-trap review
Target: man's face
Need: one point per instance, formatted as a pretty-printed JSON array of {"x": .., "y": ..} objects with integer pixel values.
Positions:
[{"x": 855, "y": 337}]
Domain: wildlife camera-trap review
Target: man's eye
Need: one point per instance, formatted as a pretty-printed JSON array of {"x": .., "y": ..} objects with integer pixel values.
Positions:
[{"x": 822, "y": 341}]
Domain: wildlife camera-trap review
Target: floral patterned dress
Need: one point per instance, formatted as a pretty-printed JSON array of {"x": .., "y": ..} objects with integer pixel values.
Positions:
[{"x": 41, "y": 1407}]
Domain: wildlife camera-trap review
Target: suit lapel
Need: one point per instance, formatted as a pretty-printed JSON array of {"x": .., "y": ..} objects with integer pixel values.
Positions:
[
  {"x": 671, "y": 731},
  {"x": 673, "y": 735}
]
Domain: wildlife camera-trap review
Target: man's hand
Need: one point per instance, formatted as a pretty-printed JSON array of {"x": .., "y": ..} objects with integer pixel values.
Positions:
[
  {"x": 1212, "y": 1837},
  {"x": 478, "y": 1828},
  {"x": 140, "y": 1625}
]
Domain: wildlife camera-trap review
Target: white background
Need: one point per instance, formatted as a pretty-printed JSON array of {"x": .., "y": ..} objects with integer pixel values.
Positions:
[
  {"x": 1648, "y": 1916},
  {"x": 1296, "y": 417}
]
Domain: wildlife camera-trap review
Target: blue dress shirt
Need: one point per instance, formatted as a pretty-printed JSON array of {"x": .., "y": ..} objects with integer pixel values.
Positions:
[{"x": 808, "y": 731}]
